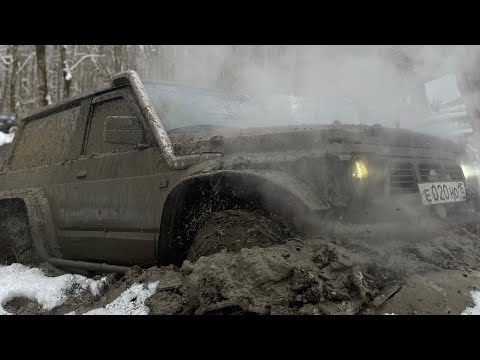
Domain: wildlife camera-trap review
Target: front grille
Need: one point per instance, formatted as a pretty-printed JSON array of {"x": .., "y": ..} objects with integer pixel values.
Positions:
[
  {"x": 426, "y": 172},
  {"x": 455, "y": 172},
  {"x": 402, "y": 178}
]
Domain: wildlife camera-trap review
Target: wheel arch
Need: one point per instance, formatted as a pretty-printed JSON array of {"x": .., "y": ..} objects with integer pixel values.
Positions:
[
  {"x": 271, "y": 191},
  {"x": 42, "y": 229}
]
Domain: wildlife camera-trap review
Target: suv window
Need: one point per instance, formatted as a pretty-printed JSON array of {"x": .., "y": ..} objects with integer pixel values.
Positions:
[
  {"x": 101, "y": 110},
  {"x": 45, "y": 140}
]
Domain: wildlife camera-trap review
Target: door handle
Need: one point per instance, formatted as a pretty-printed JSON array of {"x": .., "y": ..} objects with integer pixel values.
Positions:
[{"x": 82, "y": 174}]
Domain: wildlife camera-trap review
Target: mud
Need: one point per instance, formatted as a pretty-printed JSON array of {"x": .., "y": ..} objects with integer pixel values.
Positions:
[
  {"x": 234, "y": 230},
  {"x": 422, "y": 267},
  {"x": 314, "y": 276},
  {"x": 286, "y": 279},
  {"x": 360, "y": 270},
  {"x": 23, "y": 306},
  {"x": 437, "y": 293}
]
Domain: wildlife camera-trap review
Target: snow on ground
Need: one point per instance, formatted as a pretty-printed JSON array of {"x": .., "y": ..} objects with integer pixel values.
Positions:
[
  {"x": 475, "y": 310},
  {"x": 17, "y": 280},
  {"x": 130, "y": 302},
  {"x": 6, "y": 138}
]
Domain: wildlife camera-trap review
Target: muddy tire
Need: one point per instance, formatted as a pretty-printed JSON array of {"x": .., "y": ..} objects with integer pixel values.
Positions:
[
  {"x": 15, "y": 241},
  {"x": 234, "y": 230}
]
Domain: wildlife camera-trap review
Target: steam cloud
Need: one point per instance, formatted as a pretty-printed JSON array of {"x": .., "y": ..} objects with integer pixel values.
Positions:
[{"x": 349, "y": 83}]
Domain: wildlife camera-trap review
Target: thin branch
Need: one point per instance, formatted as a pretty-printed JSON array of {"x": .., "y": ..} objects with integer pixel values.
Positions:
[
  {"x": 4, "y": 59},
  {"x": 32, "y": 54},
  {"x": 83, "y": 58},
  {"x": 95, "y": 63}
]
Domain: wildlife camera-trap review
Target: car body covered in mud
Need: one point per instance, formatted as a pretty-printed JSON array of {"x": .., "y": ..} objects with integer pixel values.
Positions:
[{"x": 120, "y": 176}]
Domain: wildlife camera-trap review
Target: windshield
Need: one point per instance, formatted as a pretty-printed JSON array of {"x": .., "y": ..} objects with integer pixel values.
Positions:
[{"x": 181, "y": 106}]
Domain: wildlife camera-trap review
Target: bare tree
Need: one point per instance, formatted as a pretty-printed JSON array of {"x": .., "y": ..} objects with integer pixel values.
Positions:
[
  {"x": 67, "y": 76},
  {"x": 39, "y": 74},
  {"x": 13, "y": 79},
  {"x": 6, "y": 67},
  {"x": 117, "y": 57},
  {"x": 42, "y": 75}
]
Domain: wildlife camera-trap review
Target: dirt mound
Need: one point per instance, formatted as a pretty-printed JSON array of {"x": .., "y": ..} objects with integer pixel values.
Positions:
[
  {"x": 299, "y": 277},
  {"x": 357, "y": 270}
]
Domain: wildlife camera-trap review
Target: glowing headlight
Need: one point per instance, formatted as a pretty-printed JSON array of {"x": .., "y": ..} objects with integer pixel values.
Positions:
[
  {"x": 468, "y": 170},
  {"x": 360, "y": 170}
]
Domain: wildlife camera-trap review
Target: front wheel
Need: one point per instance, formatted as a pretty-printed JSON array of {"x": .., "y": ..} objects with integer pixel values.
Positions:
[{"x": 233, "y": 230}]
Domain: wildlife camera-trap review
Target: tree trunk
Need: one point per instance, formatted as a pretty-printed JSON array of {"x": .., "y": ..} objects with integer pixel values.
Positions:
[
  {"x": 5, "y": 91},
  {"x": 118, "y": 58},
  {"x": 67, "y": 76},
  {"x": 13, "y": 79},
  {"x": 42, "y": 75}
]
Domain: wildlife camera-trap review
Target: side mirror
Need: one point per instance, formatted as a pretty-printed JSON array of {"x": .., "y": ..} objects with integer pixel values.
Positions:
[{"x": 123, "y": 130}]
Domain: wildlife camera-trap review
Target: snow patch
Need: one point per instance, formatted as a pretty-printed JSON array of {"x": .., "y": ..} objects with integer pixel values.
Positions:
[
  {"x": 130, "y": 302},
  {"x": 475, "y": 310},
  {"x": 17, "y": 280},
  {"x": 6, "y": 138}
]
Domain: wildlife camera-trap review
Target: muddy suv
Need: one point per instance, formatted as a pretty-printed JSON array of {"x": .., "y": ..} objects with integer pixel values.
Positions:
[{"x": 157, "y": 173}]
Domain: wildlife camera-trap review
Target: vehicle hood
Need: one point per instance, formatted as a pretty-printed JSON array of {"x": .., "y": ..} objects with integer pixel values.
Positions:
[{"x": 197, "y": 139}]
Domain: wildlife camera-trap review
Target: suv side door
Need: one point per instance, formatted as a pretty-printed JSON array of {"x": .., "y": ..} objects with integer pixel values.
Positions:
[{"x": 111, "y": 211}]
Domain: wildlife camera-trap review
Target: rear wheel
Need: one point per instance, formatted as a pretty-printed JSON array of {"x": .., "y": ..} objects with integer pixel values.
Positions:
[
  {"x": 8, "y": 255},
  {"x": 15, "y": 241},
  {"x": 233, "y": 230}
]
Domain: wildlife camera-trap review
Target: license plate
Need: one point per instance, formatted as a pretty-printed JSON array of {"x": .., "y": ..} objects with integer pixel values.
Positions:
[{"x": 442, "y": 192}]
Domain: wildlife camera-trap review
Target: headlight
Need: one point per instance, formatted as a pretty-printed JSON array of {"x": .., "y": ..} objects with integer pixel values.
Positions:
[
  {"x": 360, "y": 178},
  {"x": 468, "y": 171},
  {"x": 360, "y": 170}
]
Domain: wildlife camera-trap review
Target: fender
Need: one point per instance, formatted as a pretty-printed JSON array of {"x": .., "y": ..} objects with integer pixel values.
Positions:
[
  {"x": 279, "y": 192},
  {"x": 302, "y": 191}
]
